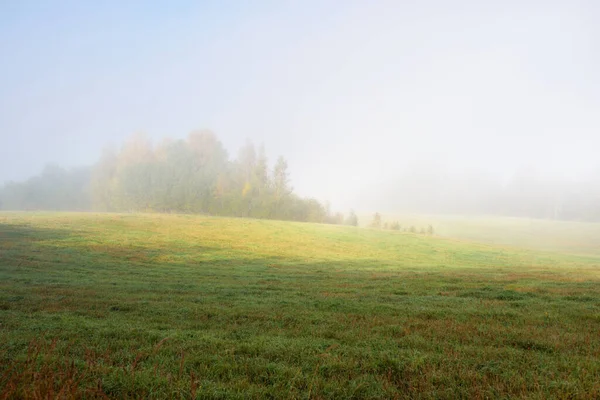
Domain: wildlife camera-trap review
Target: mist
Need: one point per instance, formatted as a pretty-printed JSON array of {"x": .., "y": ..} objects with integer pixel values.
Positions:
[{"x": 437, "y": 107}]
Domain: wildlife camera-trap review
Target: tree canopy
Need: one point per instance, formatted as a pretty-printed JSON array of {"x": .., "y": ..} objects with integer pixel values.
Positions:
[{"x": 192, "y": 175}]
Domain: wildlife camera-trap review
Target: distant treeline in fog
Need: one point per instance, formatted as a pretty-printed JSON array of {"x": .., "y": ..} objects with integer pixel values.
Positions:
[
  {"x": 528, "y": 194},
  {"x": 188, "y": 176},
  {"x": 196, "y": 175}
]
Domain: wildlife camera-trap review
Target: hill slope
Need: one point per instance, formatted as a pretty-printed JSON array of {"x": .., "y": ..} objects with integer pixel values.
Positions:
[
  {"x": 184, "y": 306},
  {"x": 579, "y": 238}
]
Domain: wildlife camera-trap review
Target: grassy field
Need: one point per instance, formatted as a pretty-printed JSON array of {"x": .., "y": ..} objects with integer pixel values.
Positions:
[
  {"x": 579, "y": 238},
  {"x": 162, "y": 306}
]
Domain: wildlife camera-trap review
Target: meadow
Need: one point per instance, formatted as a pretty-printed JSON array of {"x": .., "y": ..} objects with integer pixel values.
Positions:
[
  {"x": 570, "y": 237},
  {"x": 176, "y": 306}
]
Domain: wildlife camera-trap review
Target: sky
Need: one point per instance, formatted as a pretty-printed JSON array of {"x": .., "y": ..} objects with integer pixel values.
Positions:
[{"x": 352, "y": 93}]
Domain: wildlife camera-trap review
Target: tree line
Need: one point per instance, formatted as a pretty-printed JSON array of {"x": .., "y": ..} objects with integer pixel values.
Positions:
[
  {"x": 192, "y": 175},
  {"x": 430, "y": 189},
  {"x": 196, "y": 175},
  {"x": 378, "y": 223}
]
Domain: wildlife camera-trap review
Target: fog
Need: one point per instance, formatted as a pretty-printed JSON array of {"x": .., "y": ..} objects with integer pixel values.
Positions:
[{"x": 429, "y": 106}]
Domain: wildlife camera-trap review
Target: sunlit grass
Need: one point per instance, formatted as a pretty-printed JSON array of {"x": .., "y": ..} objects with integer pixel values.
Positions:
[
  {"x": 183, "y": 306},
  {"x": 579, "y": 238}
]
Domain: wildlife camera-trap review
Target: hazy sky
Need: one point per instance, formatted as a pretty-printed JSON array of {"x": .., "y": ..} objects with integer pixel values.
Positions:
[{"x": 350, "y": 92}]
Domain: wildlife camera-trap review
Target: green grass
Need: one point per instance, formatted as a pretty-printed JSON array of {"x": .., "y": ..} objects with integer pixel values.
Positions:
[
  {"x": 579, "y": 238},
  {"x": 162, "y": 306}
]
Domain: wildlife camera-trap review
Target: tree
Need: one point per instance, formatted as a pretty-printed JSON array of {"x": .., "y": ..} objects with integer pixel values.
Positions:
[
  {"x": 376, "y": 223},
  {"x": 193, "y": 175},
  {"x": 207, "y": 158},
  {"x": 352, "y": 219},
  {"x": 208, "y": 151},
  {"x": 261, "y": 173},
  {"x": 103, "y": 181},
  {"x": 315, "y": 211},
  {"x": 136, "y": 150},
  {"x": 55, "y": 188},
  {"x": 132, "y": 186},
  {"x": 260, "y": 182},
  {"x": 281, "y": 179},
  {"x": 281, "y": 188},
  {"x": 247, "y": 161}
]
